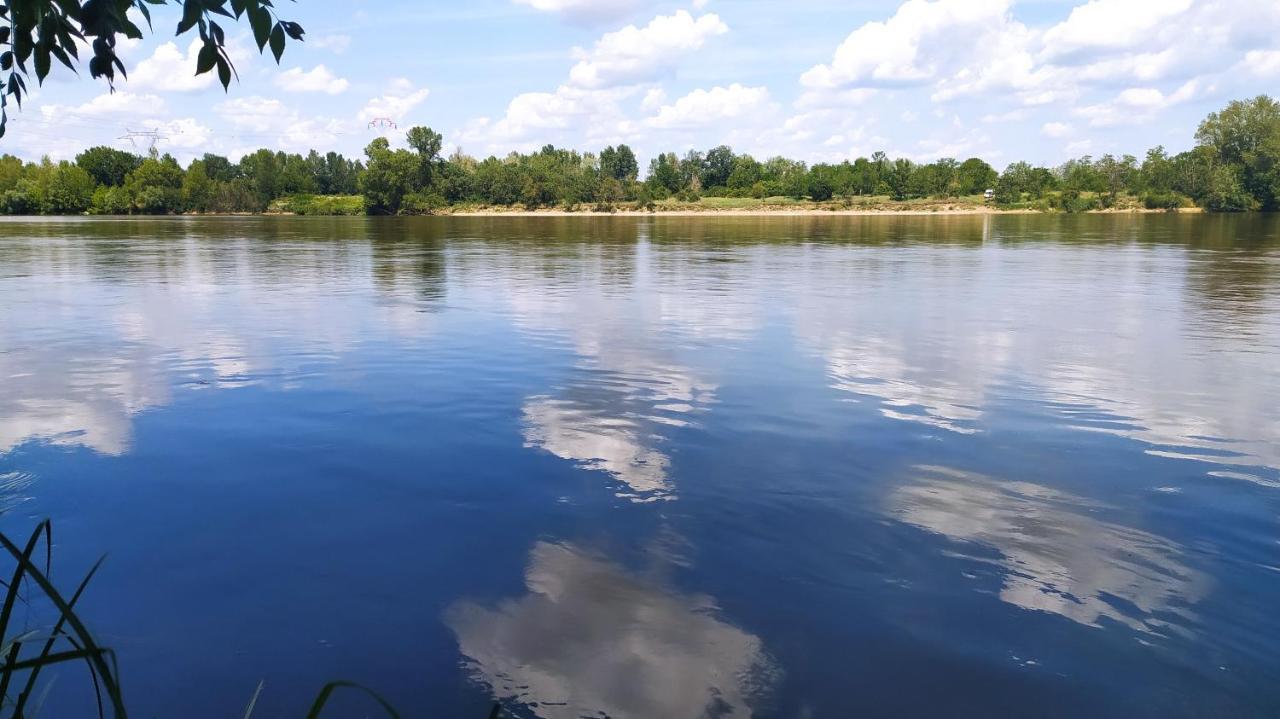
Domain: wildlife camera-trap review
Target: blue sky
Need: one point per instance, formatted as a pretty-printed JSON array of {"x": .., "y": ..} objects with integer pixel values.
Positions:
[{"x": 818, "y": 80}]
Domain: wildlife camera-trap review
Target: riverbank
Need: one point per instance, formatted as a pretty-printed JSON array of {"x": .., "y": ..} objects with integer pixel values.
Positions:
[
  {"x": 793, "y": 212},
  {"x": 719, "y": 207}
]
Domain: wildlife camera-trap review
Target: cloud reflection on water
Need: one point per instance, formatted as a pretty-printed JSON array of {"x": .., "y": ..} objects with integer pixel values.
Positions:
[
  {"x": 591, "y": 639},
  {"x": 1056, "y": 556}
]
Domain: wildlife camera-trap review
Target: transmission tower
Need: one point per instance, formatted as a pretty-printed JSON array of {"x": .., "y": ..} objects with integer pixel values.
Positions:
[{"x": 150, "y": 137}]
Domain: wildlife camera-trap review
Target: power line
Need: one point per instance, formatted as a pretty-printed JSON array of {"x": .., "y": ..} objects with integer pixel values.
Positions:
[{"x": 151, "y": 137}]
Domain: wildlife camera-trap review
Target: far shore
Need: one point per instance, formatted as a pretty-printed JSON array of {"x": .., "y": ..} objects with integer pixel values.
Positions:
[{"x": 793, "y": 212}]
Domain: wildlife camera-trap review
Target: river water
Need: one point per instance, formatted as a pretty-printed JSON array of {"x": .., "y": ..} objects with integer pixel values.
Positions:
[{"x": 657, "y": 467}]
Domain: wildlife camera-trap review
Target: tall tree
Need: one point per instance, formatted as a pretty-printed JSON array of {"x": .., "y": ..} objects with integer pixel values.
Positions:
[
  {"x": 107, "y": 165},
  {"x": 619, "y": 163}
]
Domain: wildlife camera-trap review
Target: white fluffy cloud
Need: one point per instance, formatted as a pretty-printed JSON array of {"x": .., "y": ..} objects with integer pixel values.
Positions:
[
  {"x": 718, "y": 105},
  {"x": 1109, "y": 25},
  {"x": 1137, "y": 105},
  {"x": 922, "y": 41},
  {"x": 122, "y": 103},
  {"x": 960, "y": 48},
  {"x": 585, "y": 10},
  {"x": 634, "y": 54},
  {"x": 1056, "y": 130},
  {"x": 396, "y": 103},
  {"x": 169, "y": 70},
  {"x": 334, "y": 43},
  {"x": 317, "y": 79}
]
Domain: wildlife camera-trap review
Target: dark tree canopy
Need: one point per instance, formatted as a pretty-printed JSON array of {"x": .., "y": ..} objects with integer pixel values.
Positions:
[{"x": 37, "y": 32}]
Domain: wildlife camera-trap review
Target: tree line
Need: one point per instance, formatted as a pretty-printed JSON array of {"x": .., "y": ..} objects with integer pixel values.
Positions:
[{"x": 1235, "y": 166}]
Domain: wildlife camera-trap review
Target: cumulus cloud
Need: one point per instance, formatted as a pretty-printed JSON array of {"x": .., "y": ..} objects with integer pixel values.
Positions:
[
  {"x": 334, "y": 43},
  {"x": 317, "y": 79},
  {"x": 920, "y": 42},
  {"x": 588, "y": 11},
  {"x": 709, "y": 107},
  {"x": 1112, "y": 25},
  {"x": 121, "y": 103},
  {"x": 185, "y": 133},
  {"x": 1056, "y": 130},
  {"x": 634, "y": 54},
  {"x": 1137, "y": 104},
  {"x": 396, "y": 103},
  {"x": 169, "y": 70}
]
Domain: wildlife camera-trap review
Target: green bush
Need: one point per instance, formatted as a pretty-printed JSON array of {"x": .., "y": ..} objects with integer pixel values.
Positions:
[
  {"x": 422, "y": 203},
  {"x": 1163, "y": 201},
  {"x": 325, "y": 205},
  {"x": 109, "y": 201}
]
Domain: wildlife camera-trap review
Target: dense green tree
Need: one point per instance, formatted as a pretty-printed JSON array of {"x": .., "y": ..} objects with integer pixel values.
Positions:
[
  {"x": 747, "y": 171},
  {"x": 70, "y": 190},
  {"x": 197, "y": 188},
  {"x": 156, "y": 186},
  {"x": 11, "y": 169},
  {"x": 107, "y": 165},
  {"x": 898, "y": 178},
  {"x": 219, "y": 168},
  {"x": 1246, "y": 135},
  {"x": 716, "y": 167},
  {"x": 389, "y": 175},
  {"x": 975, "y": 176},
  {"x": 665, "y": 174},
  {"x": 619, "y": 163}
]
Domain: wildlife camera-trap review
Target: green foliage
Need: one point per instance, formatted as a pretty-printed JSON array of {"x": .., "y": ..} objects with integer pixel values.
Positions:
[
  {"x": 155, "y": 188},
  {"x": 107, "y": 165},
  {"x": 41, "y": 31},
  {"x": 619, "y": 163},
  {"x": 70, "y": 190},
  {"x": 1226, "y": 191},
  {"x": 389, "y": 175},
  {"x": 1158, "y": 200},
  {"x": 1235, "y": 167},
  {"x": 328, "y": 205},
  {"x": 1246, "y": 136},
  {"x": 110, "y": 201}
]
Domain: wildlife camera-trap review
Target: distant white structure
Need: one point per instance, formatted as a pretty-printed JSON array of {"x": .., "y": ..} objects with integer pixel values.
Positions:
[{"x": 989, "y": 195}]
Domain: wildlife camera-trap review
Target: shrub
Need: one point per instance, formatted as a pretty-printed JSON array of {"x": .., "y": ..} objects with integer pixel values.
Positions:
[
  {"x": 1163, "y": 201},
  {"x": 109, "y": 201},
  {"x": 326, "y": 205},
  {"x": 422, "y": 203}
]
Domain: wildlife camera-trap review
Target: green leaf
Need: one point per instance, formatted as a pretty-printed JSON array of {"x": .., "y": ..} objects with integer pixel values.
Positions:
[
  {"x": 277, "y": 42},
  {"x": 42, "y": 64},
  {"x": 294, "y": 30},
  {"x": 191, "y": 12},
  {"x": 205, "y": 60},
  {"x": 260, "y": 20},
  {"x": 224, "y": 73},
  {"x": 62, "y": 57}
]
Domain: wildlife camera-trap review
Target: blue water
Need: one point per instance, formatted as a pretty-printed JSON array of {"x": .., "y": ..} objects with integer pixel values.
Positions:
[{"x": 657, "y": 467}]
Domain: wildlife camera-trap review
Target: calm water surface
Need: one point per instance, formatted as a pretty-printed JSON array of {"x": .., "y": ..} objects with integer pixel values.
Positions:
[{"x": 782, "y": 467}]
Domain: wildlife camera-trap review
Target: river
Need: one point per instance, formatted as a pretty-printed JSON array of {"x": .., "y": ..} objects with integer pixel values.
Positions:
[{"x": 657, "y": 467}]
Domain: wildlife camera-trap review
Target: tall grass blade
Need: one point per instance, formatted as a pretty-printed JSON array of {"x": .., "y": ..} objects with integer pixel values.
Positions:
[
  {"x": 97, "y": 656},
  {"x": 48, "y": 646},
  {"x": 323, "y": 698},
  {"x": 15, "y": 586},
  {"x": 248, "y": 711}
]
